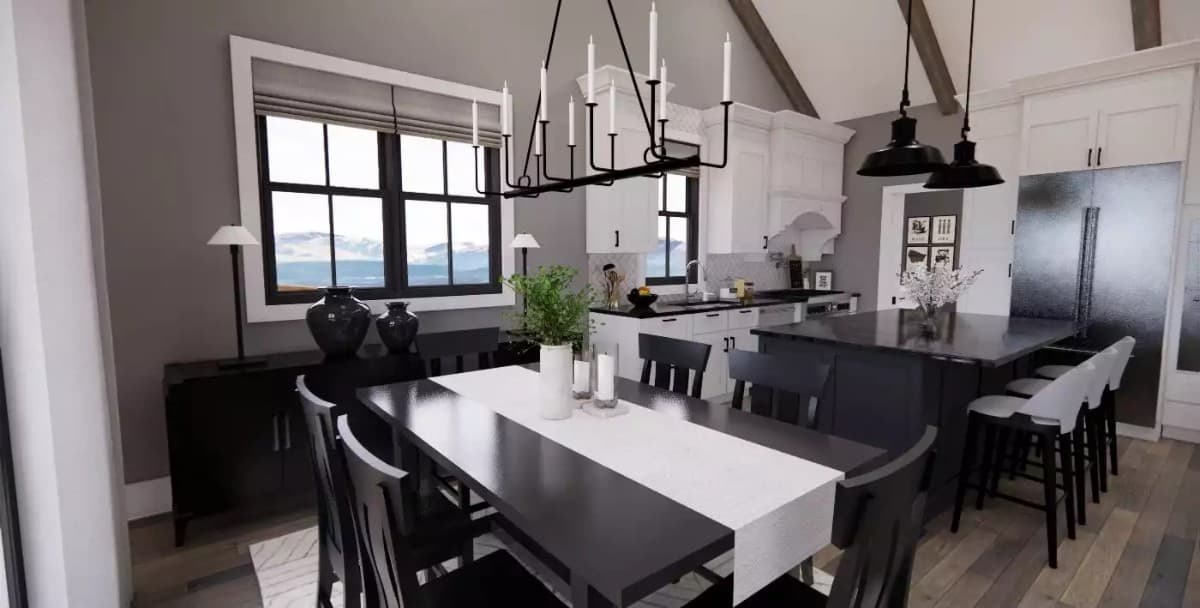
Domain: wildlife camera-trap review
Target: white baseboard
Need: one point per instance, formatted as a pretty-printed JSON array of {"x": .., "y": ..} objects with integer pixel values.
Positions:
[
  {"x": 1145, "y": 433},
  {"x": 1182, "y": 434},
  {"x": 146, "y": 498}
]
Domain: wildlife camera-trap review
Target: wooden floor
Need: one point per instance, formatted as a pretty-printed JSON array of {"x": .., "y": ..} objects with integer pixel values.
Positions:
[{"x": 1139, "y": 549}]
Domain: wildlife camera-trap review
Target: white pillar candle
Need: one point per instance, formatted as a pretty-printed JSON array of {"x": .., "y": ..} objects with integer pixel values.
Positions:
[
  {"x": 591, "y": 67},
  {"x": 545, "y": 99},
  {"x": 662, "y": 104},
  {"x": 475, "y": 123},
  {"x": 725, "y": 82},
  {"x": 653, "y": 42},
  {"x": 612, "y": 110},
  {"x": 571, "y": 121},
  {"x": 582, "y": 377},
  {"x": 505, "y": 128},
  {"x": 537, "y": 139},
  {"x": 605, "y": 377}
]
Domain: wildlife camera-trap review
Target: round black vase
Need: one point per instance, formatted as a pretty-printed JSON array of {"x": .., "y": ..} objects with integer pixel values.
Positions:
[
  {"x": 338, "y": 322},
  {"x": 397, "y": 327}
]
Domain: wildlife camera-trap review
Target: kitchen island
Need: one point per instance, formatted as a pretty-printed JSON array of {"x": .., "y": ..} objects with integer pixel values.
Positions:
[{"x": 890, "y": 377}]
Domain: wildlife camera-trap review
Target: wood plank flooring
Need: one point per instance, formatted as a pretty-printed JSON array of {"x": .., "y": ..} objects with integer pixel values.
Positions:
[{"x": 1140, "y": 548}]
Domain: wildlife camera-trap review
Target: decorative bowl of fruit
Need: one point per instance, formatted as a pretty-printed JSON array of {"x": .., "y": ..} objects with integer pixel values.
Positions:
[{"x": 641, "y": 298}]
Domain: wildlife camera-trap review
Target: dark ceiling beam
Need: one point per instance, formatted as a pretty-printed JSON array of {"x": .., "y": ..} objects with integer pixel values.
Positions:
[
  {"x": 931, "y": 55},
  {"x": 1147, "y": 24},
  {"x": 776, "y": 62}
]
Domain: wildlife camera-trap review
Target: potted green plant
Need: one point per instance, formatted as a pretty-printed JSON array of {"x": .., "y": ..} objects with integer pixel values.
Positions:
[{"x": 556, "y": 317}]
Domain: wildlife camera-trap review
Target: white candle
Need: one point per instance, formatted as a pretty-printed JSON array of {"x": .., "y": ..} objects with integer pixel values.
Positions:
[
  {"x": 475, "y": 123},
  {"x": 662, "y": 105},
  {"x": 504, "y": 126},
  {"x": 545, "y": 99},
  {"x": 612, "y": 110},
  {"x": 537, "y": 138},
  {"x": 725, "y": 82},
  {"x": 571, "y": 121},
  {"x": 591, "y": 52},
  {"x": 582, "y": 377},
  {"x": 605, "y": 377},
  {"x": 653, "y": 42}
]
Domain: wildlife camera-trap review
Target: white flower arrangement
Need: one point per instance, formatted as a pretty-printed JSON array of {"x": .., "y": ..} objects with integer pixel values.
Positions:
[{"x": 933, "y": 288}]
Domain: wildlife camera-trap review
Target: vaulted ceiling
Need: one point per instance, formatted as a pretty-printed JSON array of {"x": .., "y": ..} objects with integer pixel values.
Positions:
[{"x": 849, "y": 54}]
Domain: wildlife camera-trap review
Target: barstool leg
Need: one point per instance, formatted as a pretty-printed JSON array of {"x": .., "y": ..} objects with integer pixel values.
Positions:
[
  {"x": 1078, "y": 466},
  {"x": 1095, "y": 453},
  {"x": 989, "y": 452},
  {"x": 1049, "y": 480},
  {"x": 1003, "y": 444},
  {"x": 1097, "y": 424},
  {"x": 1110, "y": 413},
  {"x": 964, "y": 469},
  {"x": 1068, "y": 474}
]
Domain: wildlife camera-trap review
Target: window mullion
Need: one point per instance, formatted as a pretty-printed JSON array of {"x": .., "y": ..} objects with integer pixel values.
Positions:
[{"x": 329, "y": 202}]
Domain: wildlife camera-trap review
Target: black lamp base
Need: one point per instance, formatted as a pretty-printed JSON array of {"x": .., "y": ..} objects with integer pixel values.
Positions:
[{"x": 243, "y": 363}]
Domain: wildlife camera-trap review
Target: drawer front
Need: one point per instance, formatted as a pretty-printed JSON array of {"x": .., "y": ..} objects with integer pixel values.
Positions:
[
  {"x": 743, "y": 318},
  {"x": 709, "y": 322},
  {"x": 679, "y": 326},
  {"x": 776, "y": 315}
]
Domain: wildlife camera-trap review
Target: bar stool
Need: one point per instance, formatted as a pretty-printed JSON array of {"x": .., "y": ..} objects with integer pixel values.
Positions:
[
  {"x": 1050, "y": 414},
  {"x": 1092, "y": 426},
  {"x": 1124, "y": 348}
]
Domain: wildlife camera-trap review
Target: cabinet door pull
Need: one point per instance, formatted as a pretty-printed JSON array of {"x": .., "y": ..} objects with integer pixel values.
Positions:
[
  {"x": 713, "y": 315},
  {"x": 617, "y": 234},
  {"x": 733, "y": 342},
  {"x": 764, "y": 242},
  {"x": 275, "y": 433},
  {"x": 745, "y": 312},
  {"x": 669, "y": 320},
  {"x": 287, "y": 431},
  {"x": 1089, "y": 157},
  {"x": 726, "y": 339},
  {"x": 1099, "y": 152}
]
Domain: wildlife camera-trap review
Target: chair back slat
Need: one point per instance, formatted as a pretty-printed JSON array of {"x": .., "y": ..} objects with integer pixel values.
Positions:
[
  {"x": 877, "y": 521},
  {"x": 665, "y": 356},
  {"x": 1062, "y": 399},
  {"x": 1103, "y": 361},
  {"x": 457, "y": 345},
  {"x": 382, "y": 505},
  {"x": 335, "y": 523},
  {"x": 1124, "y": 348},
  {"x": 778, "y": 379}
]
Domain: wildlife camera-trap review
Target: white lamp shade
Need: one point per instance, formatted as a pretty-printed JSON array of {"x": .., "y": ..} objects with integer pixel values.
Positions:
[
  {"x": 525, "y": 240},
  {"x": 232, "y": 235}
]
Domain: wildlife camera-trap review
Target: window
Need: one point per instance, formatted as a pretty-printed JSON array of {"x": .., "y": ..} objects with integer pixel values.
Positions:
[
  {"x": 390, "y": 215},
  {"x": 678, "y": 201}
]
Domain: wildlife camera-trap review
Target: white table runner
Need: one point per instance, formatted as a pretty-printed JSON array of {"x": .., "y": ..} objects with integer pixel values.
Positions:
[{"x": 779, "y": 507}]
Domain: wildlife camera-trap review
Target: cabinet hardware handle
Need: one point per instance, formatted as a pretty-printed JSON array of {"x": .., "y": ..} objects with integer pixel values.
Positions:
[
  {"x": 287, "y": 431},
  {"x": 764, "y": 242},
  {"x": 733, "y": 342},
  {"x": 713, "y": 315},
  {"x": 617, "y": 234},
  {"x": 726, "y": 344},
  {"x": 1099, "y": 152},
  {"x": 1012, "y": 227},
  {"x": 275, "y": 433},
  {"x": 1010, "y": 270},
  {"x": 1089, "y": 157},
  {"x": 745, "y": 312},
  {"x": 669, "y": 320},
  {"x": 893, "y": 300}
]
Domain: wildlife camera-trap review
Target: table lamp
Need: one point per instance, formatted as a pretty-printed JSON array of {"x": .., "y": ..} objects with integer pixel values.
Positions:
[{"x": 236, "y": 237}]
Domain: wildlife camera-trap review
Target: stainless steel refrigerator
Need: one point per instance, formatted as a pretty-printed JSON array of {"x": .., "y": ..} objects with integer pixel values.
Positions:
[{"x": 1095, "y": 247}]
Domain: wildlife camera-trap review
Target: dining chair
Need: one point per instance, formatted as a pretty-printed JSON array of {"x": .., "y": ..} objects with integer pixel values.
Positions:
[
  {"x": 877, "y": 521},
  {"x": 1051, "y": 415},
  {"x": 385, "y": 527},
  {"x": 482, "y": 342},
  {"x": 336, "y": 544},
  {"x": 671, "y": 356},
  {"x": 778, "y": 380}
]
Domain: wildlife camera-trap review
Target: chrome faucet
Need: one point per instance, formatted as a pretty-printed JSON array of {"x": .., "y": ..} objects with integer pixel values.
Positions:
[{"x": 687, "y": 283}]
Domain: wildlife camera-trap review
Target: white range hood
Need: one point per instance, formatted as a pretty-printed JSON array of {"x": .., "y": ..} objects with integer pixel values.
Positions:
[{"x": 805, "y": 194}]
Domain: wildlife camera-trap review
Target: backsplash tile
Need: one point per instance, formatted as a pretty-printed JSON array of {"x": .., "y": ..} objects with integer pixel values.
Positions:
[
  {"x": 722, "y": 269},
  {"x": 632, "y": 265}
]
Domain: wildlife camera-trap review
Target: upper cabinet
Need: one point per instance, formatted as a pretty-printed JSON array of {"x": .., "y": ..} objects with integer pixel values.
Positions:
[
  {"x": 737, "y": 194},
  {"x": 1136, "y": 120}
]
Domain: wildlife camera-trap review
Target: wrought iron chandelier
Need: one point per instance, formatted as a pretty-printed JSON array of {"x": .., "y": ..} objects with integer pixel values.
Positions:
[{"x": 656, "y": 161}]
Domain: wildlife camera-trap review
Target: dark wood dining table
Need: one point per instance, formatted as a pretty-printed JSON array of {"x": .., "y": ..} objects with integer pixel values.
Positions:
[{"x": 613, "y": 540}]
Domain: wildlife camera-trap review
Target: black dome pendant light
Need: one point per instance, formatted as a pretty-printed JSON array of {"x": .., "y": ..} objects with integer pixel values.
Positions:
[
  {"x": 904, "y": 155},
  {"x": 965, "y": 171}
]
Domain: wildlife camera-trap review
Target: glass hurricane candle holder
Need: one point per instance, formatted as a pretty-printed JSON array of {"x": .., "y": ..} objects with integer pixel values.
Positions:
[
  {"x": 604, "y": 373},
  {"x": 581, "y": 384}
]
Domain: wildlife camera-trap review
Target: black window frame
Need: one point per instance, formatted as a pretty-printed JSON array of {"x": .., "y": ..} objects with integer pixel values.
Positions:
[
  {"x": 692, "y": 214},
  {"x": 393, "y": 196}
]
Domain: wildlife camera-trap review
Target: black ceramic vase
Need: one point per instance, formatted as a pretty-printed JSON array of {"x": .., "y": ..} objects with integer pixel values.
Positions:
[
  {"x": 338, "y": 322},
  {"x": 397, "y": 327}
]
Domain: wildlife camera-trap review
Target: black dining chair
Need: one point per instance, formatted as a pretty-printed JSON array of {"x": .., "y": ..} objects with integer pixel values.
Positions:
[
  {"x": 877, "y": 521},
  {"x": 385, "y": 528},
  {"x": 662, "y": 356},
  {"x": 483, "y": 343},
  {"x": 779, "y": 382}
]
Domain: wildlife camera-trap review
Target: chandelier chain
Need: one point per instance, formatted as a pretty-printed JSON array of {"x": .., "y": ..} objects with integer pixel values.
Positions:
[
  {"x": 966, "y": 128},
  {"x": 904, "y": 101}
]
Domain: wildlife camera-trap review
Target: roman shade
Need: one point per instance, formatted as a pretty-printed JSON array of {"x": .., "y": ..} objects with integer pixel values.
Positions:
[
  {"x": 680, "y": 149},
  {"x": 296, "y": 92}
]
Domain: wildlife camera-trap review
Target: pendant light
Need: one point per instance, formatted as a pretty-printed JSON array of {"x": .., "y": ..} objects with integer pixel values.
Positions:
[
  {"x": 965, "y": 171},
  {"x": 904, "y": 155}
]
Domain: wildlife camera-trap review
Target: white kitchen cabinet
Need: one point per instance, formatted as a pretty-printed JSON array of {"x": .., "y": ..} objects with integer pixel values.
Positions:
[
  {"x": 737, "y": 195},
  {"x": 678, "y": 326},
  {"x": 716, "y": 376},
  {"x": 623, "y": 217},
  {"x": 1138, "y": 120}
]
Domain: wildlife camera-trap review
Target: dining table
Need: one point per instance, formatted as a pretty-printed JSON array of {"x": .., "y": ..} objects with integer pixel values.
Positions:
[{"x": 621, "y": 506}]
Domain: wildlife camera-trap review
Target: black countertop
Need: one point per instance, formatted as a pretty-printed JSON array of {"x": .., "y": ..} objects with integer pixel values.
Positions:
[
  {"x": 990, "y": 340},
  {"x": 671, "y": 308}
]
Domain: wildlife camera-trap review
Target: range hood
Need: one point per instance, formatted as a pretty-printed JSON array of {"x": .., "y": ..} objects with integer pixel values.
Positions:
[{"x": 805, "y": 193}]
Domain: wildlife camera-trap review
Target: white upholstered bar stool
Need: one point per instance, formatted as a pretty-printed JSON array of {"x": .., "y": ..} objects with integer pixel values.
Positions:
[{"x": 1051, "y": 415}]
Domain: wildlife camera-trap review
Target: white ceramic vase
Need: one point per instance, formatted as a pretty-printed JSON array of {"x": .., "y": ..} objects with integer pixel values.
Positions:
[{"x": 554, "y": 382}]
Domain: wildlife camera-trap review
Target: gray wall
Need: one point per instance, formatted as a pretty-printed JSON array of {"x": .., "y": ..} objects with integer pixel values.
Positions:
[
  {"x": 165, "y": 135},
  {"x": 855, "y": 262}
]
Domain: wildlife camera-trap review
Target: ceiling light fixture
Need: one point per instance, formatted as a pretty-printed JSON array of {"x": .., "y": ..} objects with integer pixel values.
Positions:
[
  {"x": 657, "y": 161},
  {"x": 904, "y": 155},
  {"x": 965, "y": 171}
]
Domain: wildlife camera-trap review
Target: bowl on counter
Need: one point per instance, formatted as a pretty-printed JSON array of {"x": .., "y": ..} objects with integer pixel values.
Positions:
[{"x": 641, "y": 301}]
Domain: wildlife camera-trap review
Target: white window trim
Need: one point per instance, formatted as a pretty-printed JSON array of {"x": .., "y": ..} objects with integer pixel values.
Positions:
[{"x": 242, "y": 51}]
